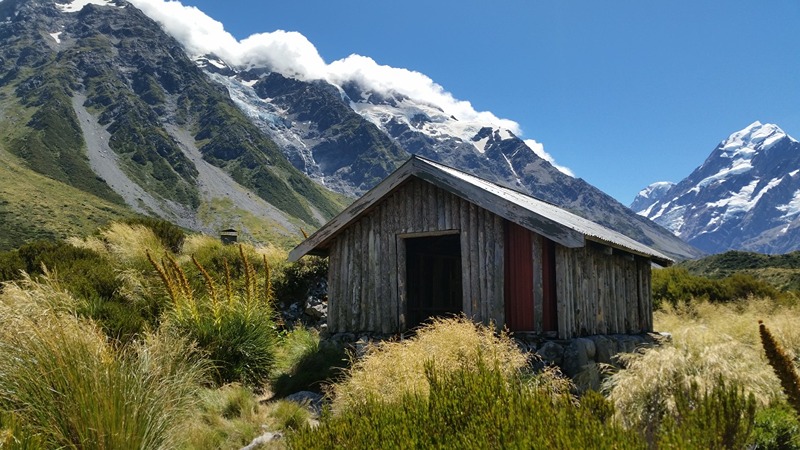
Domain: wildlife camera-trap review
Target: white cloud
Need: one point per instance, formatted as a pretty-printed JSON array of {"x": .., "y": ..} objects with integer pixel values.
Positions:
[
  {"x": 539, "y": 150},
  {"x": 292, "y": 54}
]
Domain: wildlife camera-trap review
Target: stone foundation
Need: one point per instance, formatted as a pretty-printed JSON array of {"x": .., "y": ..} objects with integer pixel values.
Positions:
[{"x": 585, "y": 359}]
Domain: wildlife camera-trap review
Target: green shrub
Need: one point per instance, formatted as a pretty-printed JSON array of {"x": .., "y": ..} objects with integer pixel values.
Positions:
[
  {"x": 170, "y": 235},
  {"x": 777, "y": 428},
  {"x": 236, "y": 329},
  {"x": 476, "y": 407},
  {"x": 304, "y": 363},
  {"x": 675, "y": 284},
  {"x": 90, "y": 277},
  {"x": 721, "y": 418},
  {"x": 295, "y": 279}
]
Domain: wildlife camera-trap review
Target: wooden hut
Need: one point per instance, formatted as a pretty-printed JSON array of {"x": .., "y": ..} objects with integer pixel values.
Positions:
[
  {"x": 229, "y": 236},
  {"x": 431, "y": 240}
]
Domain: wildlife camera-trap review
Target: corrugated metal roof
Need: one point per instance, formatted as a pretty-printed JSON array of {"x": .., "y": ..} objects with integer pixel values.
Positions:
[
  {"x": 589, "y": 229},
  {"x": 541, "y": 217}
]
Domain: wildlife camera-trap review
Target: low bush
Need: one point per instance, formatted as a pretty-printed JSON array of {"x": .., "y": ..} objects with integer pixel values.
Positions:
[
  {"x": 673, "y": 285},
  {"x": 721, "y": 417},
  {"x": 303, "y": 363},
  {"x": 91, "y": 276},
  {"x": 777, "y": 428},
  {"x": 473, "y": 406},
  {"x": 295, "y": 279},
  {"x": 170, "y": 235}
]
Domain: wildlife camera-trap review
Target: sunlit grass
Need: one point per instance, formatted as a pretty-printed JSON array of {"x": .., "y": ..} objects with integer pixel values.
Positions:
[
  {"x": 393, "y": 369},
  {"x": 67, "y": 385},
  {"x": 709, "y": 342}
]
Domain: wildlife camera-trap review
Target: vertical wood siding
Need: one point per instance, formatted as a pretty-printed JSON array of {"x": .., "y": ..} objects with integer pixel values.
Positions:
[
  {"x": 601, "y": 293},
  {"x": 366, "y": 283},
  {"x": 596, "y": 291}
]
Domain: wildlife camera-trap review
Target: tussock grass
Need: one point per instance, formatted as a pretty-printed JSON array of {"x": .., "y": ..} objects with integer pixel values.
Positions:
[
  {"x": 234, "y": 324},
  {"x": 393, "y": 369},
  {"x": 66, "y": 384},
  {"x": 710, "y": 342},
  {"x": 290, "y": 415},
  {"x": 129, "y": 244},
  {"x": 126, "y": 245}
]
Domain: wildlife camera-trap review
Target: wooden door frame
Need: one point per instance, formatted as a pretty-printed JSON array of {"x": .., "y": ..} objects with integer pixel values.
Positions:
[{"x": 402, "y": 288}]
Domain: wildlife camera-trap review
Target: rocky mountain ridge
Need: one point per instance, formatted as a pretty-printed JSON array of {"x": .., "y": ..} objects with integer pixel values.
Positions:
[
  {"x": 348, "y": 137},
  {"x": 110, "y": 104}
]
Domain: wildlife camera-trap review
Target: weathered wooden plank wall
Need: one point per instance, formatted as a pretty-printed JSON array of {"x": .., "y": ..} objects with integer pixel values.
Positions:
[
  {"x": 366, "y": 283},
  {"x": 598, "y": 291},
  {"x": 601, "y": 293}
]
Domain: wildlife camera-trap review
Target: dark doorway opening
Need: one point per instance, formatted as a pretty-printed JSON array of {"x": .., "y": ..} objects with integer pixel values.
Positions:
[{"x": 433, "y": 277}]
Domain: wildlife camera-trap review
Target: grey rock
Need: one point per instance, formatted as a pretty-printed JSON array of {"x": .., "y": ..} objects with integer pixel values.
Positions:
[
  {"x": 551, "y": 352},
  {"x": 269, "y": 436},
  {"x": 605, "y": 347},
  {"x": 317, "y": 311},
  {"x": 575, "y": 357},
  {"x": 588, "y": 347},
  {"x": 312, "y": 400}
]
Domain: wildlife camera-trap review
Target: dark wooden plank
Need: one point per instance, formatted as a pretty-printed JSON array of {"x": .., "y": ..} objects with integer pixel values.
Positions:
[
  {"x": 466, "y": 260},
  {"x": 474, "y": 268},
  {"x": 499, "y": 279}
]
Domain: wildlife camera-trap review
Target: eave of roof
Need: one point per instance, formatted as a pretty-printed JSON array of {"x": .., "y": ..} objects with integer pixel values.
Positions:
[{"x": 538, "y": 216}]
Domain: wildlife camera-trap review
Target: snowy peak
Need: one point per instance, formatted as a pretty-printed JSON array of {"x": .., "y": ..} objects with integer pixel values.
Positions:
[
  {"x": 745, "y": 196},
  {"x": 388, "y": 110},
  {"x": 77, "y": 5},
  {"x": 650, "y": 195},
  {"x": 755, "y": 137}
]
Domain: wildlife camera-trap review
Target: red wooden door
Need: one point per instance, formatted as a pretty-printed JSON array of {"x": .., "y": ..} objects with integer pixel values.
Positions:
[{"x": 518, "y": 278}]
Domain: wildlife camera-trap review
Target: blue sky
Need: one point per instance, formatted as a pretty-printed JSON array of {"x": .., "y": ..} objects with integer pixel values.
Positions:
[{"x": 624, "y": 93}]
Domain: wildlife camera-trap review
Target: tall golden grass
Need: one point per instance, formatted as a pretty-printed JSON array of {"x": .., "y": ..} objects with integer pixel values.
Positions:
[
  {"x": 61, "y": 379},
  {"x": 392, "y": 369},
  {"x": 709, "y": 342}
]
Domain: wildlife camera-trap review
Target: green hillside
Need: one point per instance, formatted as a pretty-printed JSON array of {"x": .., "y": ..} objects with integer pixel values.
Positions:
[
  {"x": 33, "y": 206},
  {"x": 781, "y": 271}
]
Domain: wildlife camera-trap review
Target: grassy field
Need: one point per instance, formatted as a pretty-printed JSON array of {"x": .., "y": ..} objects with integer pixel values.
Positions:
[{"x": 139, "y": 336}]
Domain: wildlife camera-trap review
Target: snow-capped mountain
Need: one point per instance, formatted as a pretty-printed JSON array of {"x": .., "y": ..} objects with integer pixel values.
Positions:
[
  {"x": 110, "y": 114},
  {"x": 650, "y": 195},
  {"x": 745, "y": 196},
  {"x": 348, "y": 137}
]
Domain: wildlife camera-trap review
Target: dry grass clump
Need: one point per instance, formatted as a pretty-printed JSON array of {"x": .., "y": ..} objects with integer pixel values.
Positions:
[
  {"x": 129, "y": 244},
  {"x": 393, "y": 369},
  {"x": 710, "y": 342},
  {"x": 126, "y": 245},
  {"x": 226, "y": 418}
]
